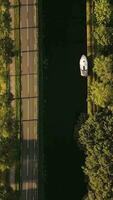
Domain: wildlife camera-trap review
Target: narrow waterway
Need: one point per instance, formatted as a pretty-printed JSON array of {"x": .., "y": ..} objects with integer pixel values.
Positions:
[{"x": 65, "y": 92}]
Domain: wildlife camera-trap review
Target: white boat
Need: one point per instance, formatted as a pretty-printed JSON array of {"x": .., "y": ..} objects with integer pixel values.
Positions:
[{"x": 83, "y": 66}]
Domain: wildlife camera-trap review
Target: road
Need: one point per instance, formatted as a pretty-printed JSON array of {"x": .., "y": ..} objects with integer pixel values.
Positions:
[{"x": 29, "y": 96}]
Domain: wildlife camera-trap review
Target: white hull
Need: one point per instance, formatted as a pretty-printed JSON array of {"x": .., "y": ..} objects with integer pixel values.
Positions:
[{"x": 83, "y": 66}]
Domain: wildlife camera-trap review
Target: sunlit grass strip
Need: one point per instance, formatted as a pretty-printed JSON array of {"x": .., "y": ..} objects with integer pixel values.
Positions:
[{"x": 89, "y": 52}]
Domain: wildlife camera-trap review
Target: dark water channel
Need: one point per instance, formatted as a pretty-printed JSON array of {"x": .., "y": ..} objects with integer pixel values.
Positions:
[{"x": 65, "y": 92}]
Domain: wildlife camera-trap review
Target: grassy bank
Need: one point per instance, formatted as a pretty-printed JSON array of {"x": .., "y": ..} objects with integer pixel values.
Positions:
[
  {"x": 95, "y": 132},
  {"x": 90, "y": 53},
  {"x": 89, "y": 50}
]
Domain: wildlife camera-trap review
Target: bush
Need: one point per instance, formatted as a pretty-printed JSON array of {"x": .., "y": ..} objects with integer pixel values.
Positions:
[
  {"x": 103, "y": 67},
  {"x": 103, "y": 12},
  {"x": 103, "y": 36}
]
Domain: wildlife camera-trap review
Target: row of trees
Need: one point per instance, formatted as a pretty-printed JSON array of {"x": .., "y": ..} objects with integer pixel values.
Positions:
[
  {"x": 95, "y": 135},
  {"x": 96, "y": 139},
  {"x": 8, "y": 124},
  {"x": 103, "y": 13},
  {"x": 101, "y": 89}
]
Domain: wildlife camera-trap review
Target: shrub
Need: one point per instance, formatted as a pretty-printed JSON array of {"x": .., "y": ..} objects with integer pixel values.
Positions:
[{"x": 103, "y": 12}]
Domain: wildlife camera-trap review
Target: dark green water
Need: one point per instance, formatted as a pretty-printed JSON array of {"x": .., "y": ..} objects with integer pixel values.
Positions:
[{"x": 65, "y": 92}]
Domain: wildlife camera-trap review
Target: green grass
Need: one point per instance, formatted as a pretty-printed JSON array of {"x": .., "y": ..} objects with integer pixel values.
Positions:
[{"x": 89, "y": 50}]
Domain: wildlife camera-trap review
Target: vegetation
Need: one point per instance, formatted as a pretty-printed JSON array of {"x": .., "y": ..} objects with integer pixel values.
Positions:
[
  {"x": 101, "y": 94},
  {"x": 17, "y": 88},
  {"x": 5, "y": 26},
  {"x": 101, "y": 89},
  {"x": 103, "y": 12},
  {"x": 6, "y": 193},
  {"x": 103, "y": 36},
  {"x": 103, "y": 67},
  {"x": 6, "y": 49},
  {"x": 96, "y": 139},
  {"x": 8, "y": 122},
  {"x": 17, "y": 58},
  {"x": 89, "y": 49}
]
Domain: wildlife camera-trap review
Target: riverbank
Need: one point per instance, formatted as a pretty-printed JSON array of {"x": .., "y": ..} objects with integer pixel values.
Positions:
[{"x": 95, "y": 130}]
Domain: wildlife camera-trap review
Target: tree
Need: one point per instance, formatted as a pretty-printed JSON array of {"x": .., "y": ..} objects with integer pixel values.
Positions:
[
  {"x": 101, "y": 95},
  {"x": 7, "y": 193},
  {"x": 8, "y": 152},
  {"x": 4, "y": 4},
  {"x": 81, "y": 120},
  {"x": 103, "y": 67},
  {"x": 7, "y": 49},
  {"x": 103, "y": 12},
  {"x": 2, "y": 178},
  {"x": 2, "y": 63},
  {"x": 96, "y": 139},
  {"x": 8, "y": 124},
  {"x": 5, "y": 24},
  {"x": 103, "y": 36}
]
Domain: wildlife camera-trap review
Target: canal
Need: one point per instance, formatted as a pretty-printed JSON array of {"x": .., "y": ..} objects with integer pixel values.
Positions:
[{"x": 65, "y": 97}]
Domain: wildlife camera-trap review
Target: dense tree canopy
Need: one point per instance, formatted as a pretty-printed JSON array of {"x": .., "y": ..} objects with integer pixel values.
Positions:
[
  {"x": 96, "y": 139},
  {"x": 103, "y": 67},
  {"x": 103, "y": 12},
  {"x": 7, "y": 49},
  {"x": 4, "y": 4},
  {"x": 5, "y": 24},
  {"x": 7, "y": 150},
  {"x": 7, "y": 193},
  {"x": 8, "y": 123},
  {"x": 95, "y": 135},
  {"x": 101, "y": 94},
  {"x": 103, "y": 36}
]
